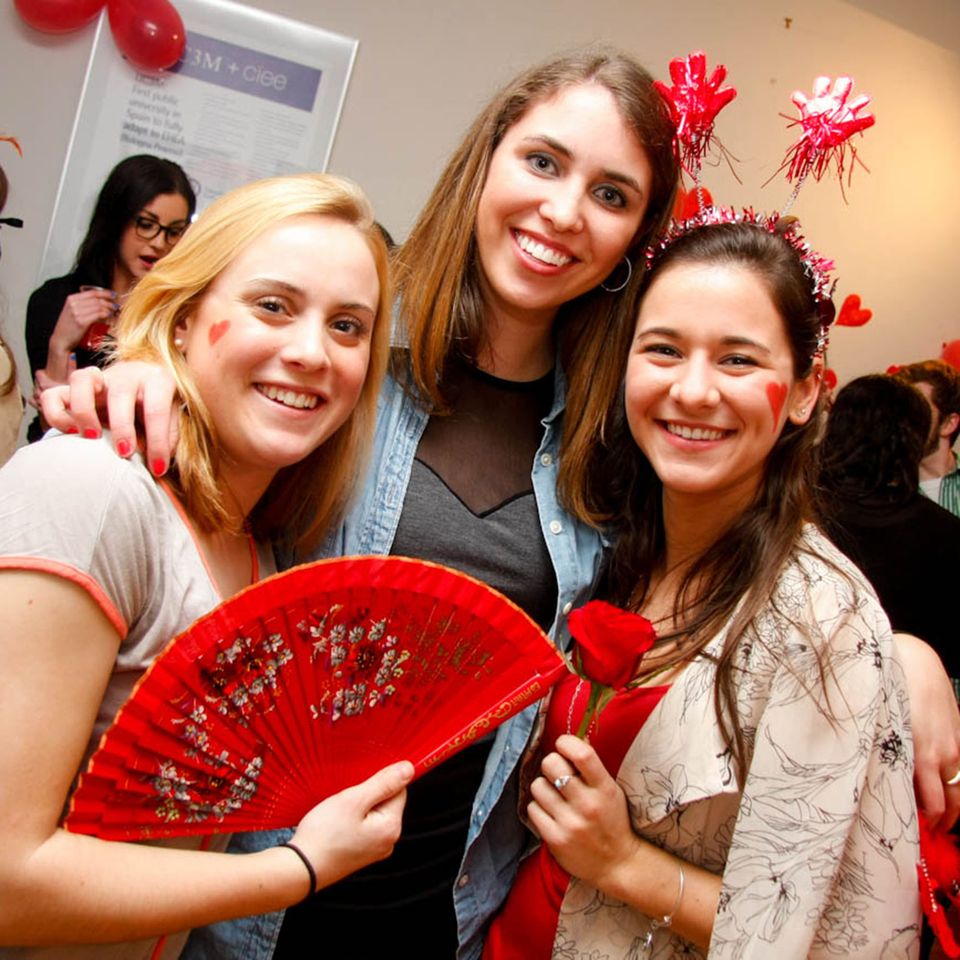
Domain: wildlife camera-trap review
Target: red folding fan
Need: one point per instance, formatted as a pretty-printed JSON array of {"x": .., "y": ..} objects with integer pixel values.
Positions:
[{"x": 304, "y": 684}]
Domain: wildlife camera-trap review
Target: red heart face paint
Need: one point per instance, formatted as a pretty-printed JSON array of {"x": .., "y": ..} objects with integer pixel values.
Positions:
[
  {"x": 217, "y": 330},
  {"x": 776, "y": 394}
]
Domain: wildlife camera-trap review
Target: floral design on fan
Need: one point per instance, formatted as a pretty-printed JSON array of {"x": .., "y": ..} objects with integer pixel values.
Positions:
[
  {"x": 365, "y": 656},
  {"x": 245, "y": 674},
  {"x": 182, "y": 796}
]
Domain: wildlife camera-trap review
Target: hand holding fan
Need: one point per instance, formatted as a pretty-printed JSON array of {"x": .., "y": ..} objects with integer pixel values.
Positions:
[{"x": 305, "y": 684}]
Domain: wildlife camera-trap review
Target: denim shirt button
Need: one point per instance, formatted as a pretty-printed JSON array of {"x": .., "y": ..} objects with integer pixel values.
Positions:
[
  {"x": 463, "y": 881},
  {"x": 546, "y": 459},
  {"x": 556, "y": 526},
  {"x": 567, "y": 607}
]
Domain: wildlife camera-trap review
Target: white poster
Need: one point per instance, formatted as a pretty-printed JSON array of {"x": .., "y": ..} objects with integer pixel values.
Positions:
[{"x": 255, "y": 95}]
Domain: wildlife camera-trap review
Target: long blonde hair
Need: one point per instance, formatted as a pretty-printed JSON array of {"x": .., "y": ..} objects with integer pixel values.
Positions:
[
  {"x": 306, "y": 498},
  {"x": 437, "y": 272}
]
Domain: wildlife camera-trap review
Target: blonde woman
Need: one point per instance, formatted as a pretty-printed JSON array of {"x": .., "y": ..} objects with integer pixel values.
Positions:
[{"x": 271, "y": 317}]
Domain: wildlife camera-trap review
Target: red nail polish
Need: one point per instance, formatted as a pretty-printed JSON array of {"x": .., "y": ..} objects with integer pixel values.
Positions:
[
  {"x": 158, "y": 467},
  {"x": 91, "y": 434},
  {"x": 124, "y": 448},
  {"x": 73, "y": 430}
]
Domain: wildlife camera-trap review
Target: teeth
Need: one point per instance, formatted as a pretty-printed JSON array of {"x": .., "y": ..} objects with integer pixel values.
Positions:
[
  {"x": 290, "y": 398},
  {"x": 540, "y": 252},
  {"x": 695, "y": 433}
]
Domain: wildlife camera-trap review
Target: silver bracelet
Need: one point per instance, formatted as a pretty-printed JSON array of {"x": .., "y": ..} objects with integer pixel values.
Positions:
[{"x": 667, "y": 919}]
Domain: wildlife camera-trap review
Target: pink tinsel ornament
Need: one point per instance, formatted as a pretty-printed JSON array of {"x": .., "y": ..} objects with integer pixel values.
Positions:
[
  {"x": 828, "y": 121},
  {"x": 694, "y": 101}
]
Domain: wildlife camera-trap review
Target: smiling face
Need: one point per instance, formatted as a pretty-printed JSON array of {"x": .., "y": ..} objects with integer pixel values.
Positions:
[
  {"x": 710, "y": 381},
  {"x": 564, "y": 196},
  {"x": 136, "y": 256},
  {"x": 279, "y": 345}
]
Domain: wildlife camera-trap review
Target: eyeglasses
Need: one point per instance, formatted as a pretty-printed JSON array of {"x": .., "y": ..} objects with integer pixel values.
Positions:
[{"x": 148, "y": 227}]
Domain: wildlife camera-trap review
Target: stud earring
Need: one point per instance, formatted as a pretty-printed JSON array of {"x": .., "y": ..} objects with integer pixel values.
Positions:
[{"x": 178, "y": 343}]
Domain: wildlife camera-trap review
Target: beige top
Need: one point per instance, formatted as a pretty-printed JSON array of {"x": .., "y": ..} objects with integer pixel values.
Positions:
[
  {"x": 818, "y": 850},
  {"x": 11, "y": 411}
]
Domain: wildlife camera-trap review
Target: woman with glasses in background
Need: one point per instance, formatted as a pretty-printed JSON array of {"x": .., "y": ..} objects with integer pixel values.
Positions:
[{"x": 143, "y": 209}]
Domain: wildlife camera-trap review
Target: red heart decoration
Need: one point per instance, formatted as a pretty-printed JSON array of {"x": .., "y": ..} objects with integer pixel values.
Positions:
[
  {"x": 851, "y": 314},
  {"x": 951, "y": 353},
  {"x": 776, "y": 394},
  {"x": 687, "y": 204},
  {"x": 830, "y": 378},
  {"x": 217, "y": 331}
]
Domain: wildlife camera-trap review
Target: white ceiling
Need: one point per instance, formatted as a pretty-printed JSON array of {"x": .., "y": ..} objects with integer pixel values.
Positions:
[{"x": 936, "y": 20}]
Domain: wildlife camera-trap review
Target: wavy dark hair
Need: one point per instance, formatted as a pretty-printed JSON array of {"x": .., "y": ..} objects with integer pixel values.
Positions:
[
  {"x": 735, "y": 578},
  {"x": 131, "y": 185},
  {"x": 874, "y": 441}
]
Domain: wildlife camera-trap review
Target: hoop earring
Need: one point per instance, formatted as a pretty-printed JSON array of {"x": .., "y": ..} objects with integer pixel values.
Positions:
[{"x": 603, "y": 285}]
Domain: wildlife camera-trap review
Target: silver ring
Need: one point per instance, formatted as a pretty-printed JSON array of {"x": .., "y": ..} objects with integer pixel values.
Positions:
[
  {"x": 954, "y": 780},
  {"x": 561, "y": 782}
]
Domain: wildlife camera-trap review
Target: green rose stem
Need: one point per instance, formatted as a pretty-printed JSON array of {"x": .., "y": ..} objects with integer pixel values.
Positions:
[{"x": 600, "y": 696}]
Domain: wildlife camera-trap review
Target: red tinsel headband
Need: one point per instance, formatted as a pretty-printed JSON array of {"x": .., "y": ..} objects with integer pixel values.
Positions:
[
  {"x": 816, "y": 267},
  {"x": 827, "y": 120}
]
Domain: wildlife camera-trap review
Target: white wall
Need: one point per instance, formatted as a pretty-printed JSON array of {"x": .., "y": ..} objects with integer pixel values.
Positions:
[{"x": 426, "y": 66}]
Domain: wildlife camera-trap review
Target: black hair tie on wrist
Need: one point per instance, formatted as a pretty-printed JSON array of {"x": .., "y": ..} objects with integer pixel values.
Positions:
[{"x": 307, "y": 864}]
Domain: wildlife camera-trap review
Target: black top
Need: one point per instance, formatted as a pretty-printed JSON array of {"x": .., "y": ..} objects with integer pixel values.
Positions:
[
  {"x": 43, "y": 310},
  {"x": 469, "y": 505},
  {"x": 911, "y": 555}
]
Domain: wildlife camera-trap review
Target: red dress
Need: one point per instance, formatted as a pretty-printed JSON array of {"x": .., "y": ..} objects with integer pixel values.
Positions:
[{"x": 525, "y": 927}]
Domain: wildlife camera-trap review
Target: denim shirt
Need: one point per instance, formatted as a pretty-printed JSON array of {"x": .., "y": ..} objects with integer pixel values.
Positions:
[{"x": 496, "y": 838}]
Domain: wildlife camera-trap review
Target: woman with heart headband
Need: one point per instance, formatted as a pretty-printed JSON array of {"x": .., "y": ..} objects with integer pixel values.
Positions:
[
  {"x": 744, "y": 786},
  {"x": 454, "y": 285},
  {"x": 272, "y": 316}
]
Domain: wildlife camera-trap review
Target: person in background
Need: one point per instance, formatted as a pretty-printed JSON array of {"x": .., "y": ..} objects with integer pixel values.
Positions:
[
  {"x": 11, "y": 403},
  {"x": 273, "y": 318},
  {"x": 940, "y": 468},
  {"x": 909, "y": 547},
  {"x": 143, "y": 209}
]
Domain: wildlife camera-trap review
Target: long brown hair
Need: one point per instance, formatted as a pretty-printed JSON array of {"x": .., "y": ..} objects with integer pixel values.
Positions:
[
  {"x": 437, "y": 270},
  {"x": 735, "y": 578},
  {"x": 304, "y": 499}
]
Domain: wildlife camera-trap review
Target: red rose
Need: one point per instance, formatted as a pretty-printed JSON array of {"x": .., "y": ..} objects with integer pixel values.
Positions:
[{"x": 611, "y": 642}]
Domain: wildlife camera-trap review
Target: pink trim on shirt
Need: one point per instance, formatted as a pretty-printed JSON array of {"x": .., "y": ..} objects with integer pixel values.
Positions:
[
  {"x": 81, "y": 578},
  {"x": 184, "y": 516}
]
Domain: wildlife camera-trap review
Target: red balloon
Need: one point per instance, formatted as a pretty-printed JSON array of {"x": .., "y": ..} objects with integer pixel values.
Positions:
[
  {"x": 58, "y": 16},
  {"x": 149, "y": 33},
  {"x": 951, "y": 353}
]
